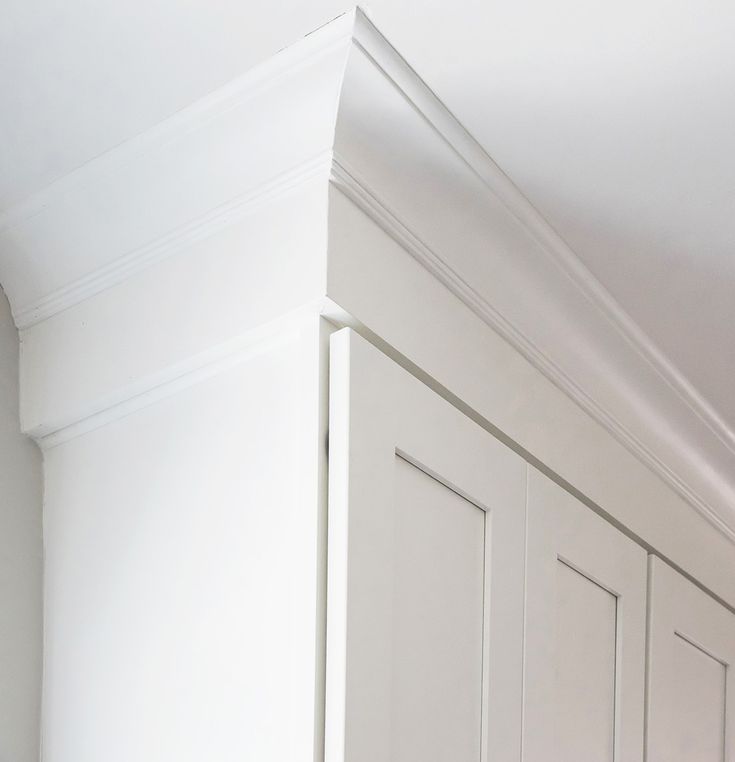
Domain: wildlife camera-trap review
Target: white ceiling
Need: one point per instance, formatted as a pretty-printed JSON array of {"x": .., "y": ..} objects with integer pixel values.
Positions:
[{"x": 616, "y": 119}]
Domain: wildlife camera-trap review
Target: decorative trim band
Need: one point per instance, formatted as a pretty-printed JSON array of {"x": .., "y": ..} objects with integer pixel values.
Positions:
[
  {"x": 139, "y": 259},
  {"x": 176, "y": 378}
]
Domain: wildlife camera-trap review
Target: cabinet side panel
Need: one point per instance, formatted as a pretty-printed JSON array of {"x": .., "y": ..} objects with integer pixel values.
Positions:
[{"x": 181, "y": 573}]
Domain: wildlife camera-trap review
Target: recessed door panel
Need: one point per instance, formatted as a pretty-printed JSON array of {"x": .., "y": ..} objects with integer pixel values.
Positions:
[
  {"x": 585, "y": 633},
  {"x": 691, "y": 712},
  {"x": 700, "y": 699},
  {"x": 586, "y": 636},
  {"x": 439, "y": 558},
  {"x": 425, "y": 577}
]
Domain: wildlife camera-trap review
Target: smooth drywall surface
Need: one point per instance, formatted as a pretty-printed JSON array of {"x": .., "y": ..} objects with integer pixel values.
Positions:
[
  {"x": 21, "y": 565},
  {"x": 181, "y": 573}
]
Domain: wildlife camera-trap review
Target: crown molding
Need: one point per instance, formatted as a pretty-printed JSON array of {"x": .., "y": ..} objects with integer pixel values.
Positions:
[
  {"x": 200, "y": 228},
  {"x": 510, "y": 267},
  {"x": 343, "y": 107},
  {"x": 140, "y": 201},
  {"x": 239, "y": 91},
  {"x": 361, "y": 195},
  {"x": 415, "y": 90}
]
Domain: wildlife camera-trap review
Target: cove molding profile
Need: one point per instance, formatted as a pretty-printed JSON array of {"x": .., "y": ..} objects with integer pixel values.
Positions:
[{"x": 331, "y": 180}]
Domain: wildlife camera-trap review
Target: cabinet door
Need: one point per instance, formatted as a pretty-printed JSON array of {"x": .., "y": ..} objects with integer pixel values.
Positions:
[
  {"x": 691, "y": 682},
  {"x": 585, "y": 633},
  {"x": 425, "y": 573}
]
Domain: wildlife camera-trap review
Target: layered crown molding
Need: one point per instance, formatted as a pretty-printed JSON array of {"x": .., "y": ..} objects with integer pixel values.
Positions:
[{"x": 339, "y": 109}]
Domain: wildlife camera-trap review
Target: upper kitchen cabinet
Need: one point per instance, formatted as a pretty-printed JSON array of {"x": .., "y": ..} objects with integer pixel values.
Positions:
[
  {"x": 585, "y": 633},
  {"x": 691, "y": 682},
  {"x": 426, "y": 548}
]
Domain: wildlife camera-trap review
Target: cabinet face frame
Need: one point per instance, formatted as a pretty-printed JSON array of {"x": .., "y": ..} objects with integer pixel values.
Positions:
[
  {"x": 679, "y": 609},
  {"x": 378, "y": 413},
  {"x": 560, "y": 529}
]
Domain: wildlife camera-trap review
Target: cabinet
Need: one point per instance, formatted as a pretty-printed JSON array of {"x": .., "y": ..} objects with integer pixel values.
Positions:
[
  {"x": 585, "y": 633},
  {"x": 479, "y": 612},
  {"x": 691, "y": 683},
  {"x": 425, "y": 602},
  {"x": 206, "y": 596}
]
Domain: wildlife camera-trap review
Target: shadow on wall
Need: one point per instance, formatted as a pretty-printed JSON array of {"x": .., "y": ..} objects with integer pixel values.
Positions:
[{"x": 21, "y": 564}]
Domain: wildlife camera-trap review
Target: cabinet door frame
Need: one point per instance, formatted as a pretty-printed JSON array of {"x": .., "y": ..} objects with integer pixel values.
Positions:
[
  {"x": 562, "y": 529},
  {"x": 379, "y": 411},
  {"x": 678, "y": 608}
]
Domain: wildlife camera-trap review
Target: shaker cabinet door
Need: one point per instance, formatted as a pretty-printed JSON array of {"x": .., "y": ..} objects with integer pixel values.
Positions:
[
  {"x": 585, "y": 633},
  {"x": 425, "y": 572},
  {"x": 691, "y": 688}
]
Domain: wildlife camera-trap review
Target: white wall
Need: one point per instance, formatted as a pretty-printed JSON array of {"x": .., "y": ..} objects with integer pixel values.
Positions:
[
  {"x": 182, "y": 572},
  {"x": 21, "y": 564}
]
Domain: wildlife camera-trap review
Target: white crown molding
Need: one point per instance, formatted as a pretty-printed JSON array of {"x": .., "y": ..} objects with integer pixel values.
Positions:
[
  {"x": 235, "y": 93},
  {"x": 674, "y": 434},
  {"x": 135, "y": 204},
  {"x": 171, "y": 243},
  {"x": 360, "y": 194},
  {"x": 364, "y": 116},
  {"x": 414, "y": 89}
]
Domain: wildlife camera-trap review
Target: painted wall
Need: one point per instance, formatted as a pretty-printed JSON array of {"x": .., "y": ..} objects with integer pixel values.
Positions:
[
  {"x": 182, "y": 574},
  {"x": 21, "y": 564}
]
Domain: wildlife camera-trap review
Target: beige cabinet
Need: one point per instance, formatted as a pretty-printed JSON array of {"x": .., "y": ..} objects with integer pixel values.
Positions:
[
  {"x": 691, "y": 682},
  {"x": 425, "y": 604},
  {"x": 479, "y": 612},
  {"x": 585, "y": 633}
]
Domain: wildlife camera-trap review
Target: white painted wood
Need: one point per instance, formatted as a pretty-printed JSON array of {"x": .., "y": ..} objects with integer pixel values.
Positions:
[
  {"x": 585, "y": 633},
  {"x": 254, "y": 138},
  {"x": 334, "y": 181},
  {"x": 184, "y": 572},
  {"x": 691, "y": 672},
  {"x": 438, "y": 573},
  {"x": 379, "y": 288},
  {"x": 344, "y": 99},
  {"x": 175, "y": 316},
  {"x": 425, "y": 601},
  {"x": 584, "y": 664},
  {"x": 220, "y": 220}
]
